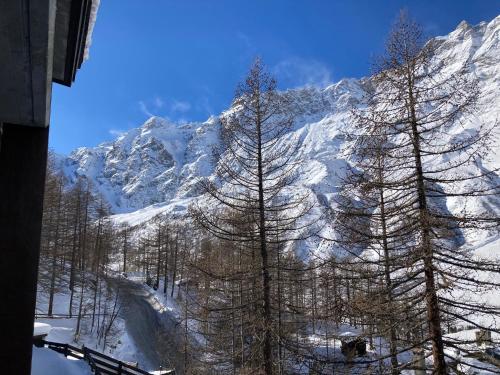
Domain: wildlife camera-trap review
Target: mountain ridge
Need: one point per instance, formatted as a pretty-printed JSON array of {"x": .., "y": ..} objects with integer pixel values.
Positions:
[{"x": 158, "y": 166}]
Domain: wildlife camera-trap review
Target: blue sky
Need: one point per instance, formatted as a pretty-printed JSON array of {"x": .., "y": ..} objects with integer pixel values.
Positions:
[{"x": 182, "y": 59}]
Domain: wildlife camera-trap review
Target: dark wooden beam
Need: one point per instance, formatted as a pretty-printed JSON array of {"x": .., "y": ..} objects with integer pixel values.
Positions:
[{"x": 23, "y": 159}]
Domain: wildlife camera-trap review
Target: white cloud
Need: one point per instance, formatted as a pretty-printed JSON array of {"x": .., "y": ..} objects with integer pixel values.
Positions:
[
  {"x": 204, "y": 104},
  {"x": 116, "y": 132},
  {"x": 144, "y": 109},
  {"x": 158, "y": 102},
  {"x": 247, "y": 44},
  {"x": 166, "y": 108},
  {"x": 299, "y": 72},
  {"x": 180, "y": 106}
]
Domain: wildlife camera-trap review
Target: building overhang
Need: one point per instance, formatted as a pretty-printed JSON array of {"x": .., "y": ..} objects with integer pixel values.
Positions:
[{"x": 41, "y": 41}]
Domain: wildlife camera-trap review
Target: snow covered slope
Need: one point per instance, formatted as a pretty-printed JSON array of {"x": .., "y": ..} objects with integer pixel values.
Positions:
[
  {"x": 158, "y": 166},
  {"x": 151, "y": 164}
]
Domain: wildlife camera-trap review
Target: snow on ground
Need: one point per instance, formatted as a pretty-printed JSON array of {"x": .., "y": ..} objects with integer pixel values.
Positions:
[
  {"x": 124, "y": 348},
  {"x": 41, "y": 329},
  {"x": 489, "y": 250},
  {"x": 119, "y": 344},
  {"x": 165, "y": 303},
  {"x": 46, "y": 361},
  {"x": 174, "y": 208},
  {"x": 160, "y": 301},
  {"x": 469, "y": 365},
  {"x": 331, "y": 350}
]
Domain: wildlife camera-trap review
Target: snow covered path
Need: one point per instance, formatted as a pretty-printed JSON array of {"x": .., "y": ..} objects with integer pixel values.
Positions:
[{"x": 156, "y": 332}]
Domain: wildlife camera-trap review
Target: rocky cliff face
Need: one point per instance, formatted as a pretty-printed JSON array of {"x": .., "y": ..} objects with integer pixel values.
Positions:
[
  {"x": 151, "y": 164},
  {"x": 157, "y": 167}
]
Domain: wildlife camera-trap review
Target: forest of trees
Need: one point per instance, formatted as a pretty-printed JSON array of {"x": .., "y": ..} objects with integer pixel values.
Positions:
[
  {"x": 77, "y": 244},
  {"x": 252, "y": 303},
  {"x": 409, "y": 277}
]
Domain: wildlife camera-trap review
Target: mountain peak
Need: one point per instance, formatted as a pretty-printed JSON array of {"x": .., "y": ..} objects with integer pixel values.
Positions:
[
  {"x": 464, "y": 25},
  {"x": 164, "y": 162},
  {"x": 155, "y": 122}
]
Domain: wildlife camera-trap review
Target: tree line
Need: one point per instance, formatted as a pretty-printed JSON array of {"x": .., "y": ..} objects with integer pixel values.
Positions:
[{"x": 77, "y": 246}]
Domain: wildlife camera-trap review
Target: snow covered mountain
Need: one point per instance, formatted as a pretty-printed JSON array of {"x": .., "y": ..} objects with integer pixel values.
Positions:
[
  {"x": 154, "y": 163},
  {"x": 158, "y": 166}
]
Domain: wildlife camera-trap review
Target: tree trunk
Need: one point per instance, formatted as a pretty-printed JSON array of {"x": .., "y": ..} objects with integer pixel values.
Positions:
[
  {"x": 433, "y": 313},
  {"x": 165, "y": 267},
  {"x": 54, "y": 251},
  {"x": 174, "y": 273},
  {"x": 125, "y": 249},
  {"x": 266, "y": 279},
  {"x": 73, "y": 256},
  {"x": 388, "y": 282}
]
